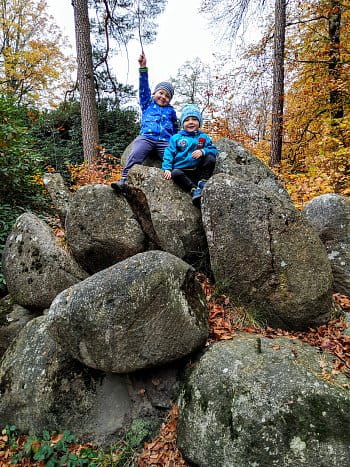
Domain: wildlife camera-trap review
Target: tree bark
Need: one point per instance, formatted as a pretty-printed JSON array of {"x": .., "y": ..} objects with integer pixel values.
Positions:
[
  {"x": 278, "y": 83},
  {"x": 89, "y": 121},
  {"x": 334, "y": 67}
]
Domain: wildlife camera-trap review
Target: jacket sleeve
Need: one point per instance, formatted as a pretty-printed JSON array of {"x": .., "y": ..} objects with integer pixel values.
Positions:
[
  {"x": 209, "y": 148},
  {"x": 144, "y": 89},
  {"x": 169, "y": 155},
  {"x": 176, "y": 126}
]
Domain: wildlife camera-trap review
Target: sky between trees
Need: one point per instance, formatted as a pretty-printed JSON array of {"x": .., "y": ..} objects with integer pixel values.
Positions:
[{"x": 183, "y": 34}]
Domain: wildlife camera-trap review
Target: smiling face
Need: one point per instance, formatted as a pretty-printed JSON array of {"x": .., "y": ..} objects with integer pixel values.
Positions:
[
  {"x": 161, "y": 97},
  {"x": 191, "y": 124}
]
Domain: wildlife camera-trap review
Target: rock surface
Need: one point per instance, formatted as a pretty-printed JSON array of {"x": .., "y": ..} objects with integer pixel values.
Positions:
[
  {"x": 35, "y": 266},
  {"x": 13, "y": 318},
  {"x": 235, "y": 160},
  {"x": 330, "y": 216},
  {"x": 256, "y": 401},
  {"x": 101, "y": 229},
  {"x": 265, "y": 254},
  {"x": 142, "y": 312},
  {"x": 43, "y": 388},
  {"x": 166, "y": 213}
]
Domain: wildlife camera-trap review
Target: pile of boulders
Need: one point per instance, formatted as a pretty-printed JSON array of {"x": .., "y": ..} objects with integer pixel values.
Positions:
[{"x": 113, "y": 312}]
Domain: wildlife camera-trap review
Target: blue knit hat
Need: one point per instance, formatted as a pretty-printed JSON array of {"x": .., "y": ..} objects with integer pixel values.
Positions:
[
  {"x": 190, "y": 110},
  {"x": 168, "y": 87}
]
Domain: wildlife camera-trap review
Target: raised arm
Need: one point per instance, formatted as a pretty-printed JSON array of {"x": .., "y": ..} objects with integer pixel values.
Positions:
[{"x": 144, "y": 89}]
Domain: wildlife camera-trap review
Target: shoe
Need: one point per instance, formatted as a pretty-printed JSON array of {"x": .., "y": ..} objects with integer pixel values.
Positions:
[
  {"x": 120, "y": 185},
  {"x": 196, "y": 194},
  {"x": 201, "y": 184}
]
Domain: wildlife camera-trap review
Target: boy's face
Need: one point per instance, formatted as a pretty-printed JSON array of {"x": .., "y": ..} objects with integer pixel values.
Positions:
[
  {"x": 191, "y": 124},
  {"x": 161, "y": 97}
]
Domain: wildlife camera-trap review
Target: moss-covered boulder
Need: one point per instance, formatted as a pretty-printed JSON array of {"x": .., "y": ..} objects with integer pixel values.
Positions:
[
  {"x": 237, "y": 161},
  {"x": 43, "y": 388},
  {"x": 166, "y": 214},
  {"x": 13, "y": 318},
  {"x": 101, "y": 228},
  {"x": 256, "y": 401},
  {"x": 266, "y": 254},
  {"x": 35, "y": 265},
  {"x": 145, "y": 311},
  {"x": 330, "y": 216}
]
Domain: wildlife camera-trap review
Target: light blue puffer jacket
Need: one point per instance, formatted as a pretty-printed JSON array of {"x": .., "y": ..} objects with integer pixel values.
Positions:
[{"x": 178, "y": 154}]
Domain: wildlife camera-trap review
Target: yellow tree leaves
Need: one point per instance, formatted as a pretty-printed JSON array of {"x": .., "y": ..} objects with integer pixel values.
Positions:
[
  {"x": 32, "y": 64},
  {"x": 317, "y": 135}
]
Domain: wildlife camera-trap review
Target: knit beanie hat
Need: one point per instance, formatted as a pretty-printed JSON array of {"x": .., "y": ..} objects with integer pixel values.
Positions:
[
  {"x": 191, "y": 110},
  {"x": 168, "y": 87}
]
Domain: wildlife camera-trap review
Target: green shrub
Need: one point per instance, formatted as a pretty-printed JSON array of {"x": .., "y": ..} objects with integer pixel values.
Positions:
[
  {"x": 20, "y": 165},
  {"x": 57, "y": 133},
  {"x": 19, "y": 162}
]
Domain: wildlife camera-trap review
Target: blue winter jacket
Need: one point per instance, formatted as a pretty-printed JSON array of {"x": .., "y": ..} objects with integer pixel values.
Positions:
[
  {"x": 157, "y": 122},
  {"x": 178, "y": 154}
]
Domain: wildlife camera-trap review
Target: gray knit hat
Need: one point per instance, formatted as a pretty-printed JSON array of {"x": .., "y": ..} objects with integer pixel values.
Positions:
[{"x": 168, "y": 87}]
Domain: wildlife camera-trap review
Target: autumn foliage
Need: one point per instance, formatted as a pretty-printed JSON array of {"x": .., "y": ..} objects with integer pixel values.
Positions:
[
  {"x": 226, "y": 320},
  {"x": 162, "y": 451},
  {"x": 32, "y": 67},
  {"x": 316, "y": 139},
  {"x": 104, "y": 169}
]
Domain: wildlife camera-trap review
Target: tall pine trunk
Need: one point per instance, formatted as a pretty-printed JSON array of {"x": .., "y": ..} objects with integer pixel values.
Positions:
[
  {"x": 278, "y": 82},
  {"x": 334, "y": 67},
  {"x": 89, "y": 122}
]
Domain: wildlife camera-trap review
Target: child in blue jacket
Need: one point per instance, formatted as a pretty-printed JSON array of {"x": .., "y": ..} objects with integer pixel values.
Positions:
[
  {"x": 158, "y": 122},
  {"x": 190, "y": 157}
]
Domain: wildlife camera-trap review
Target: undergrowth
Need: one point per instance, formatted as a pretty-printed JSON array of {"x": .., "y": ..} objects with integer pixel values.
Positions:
[{"x": 63, "y": 449}]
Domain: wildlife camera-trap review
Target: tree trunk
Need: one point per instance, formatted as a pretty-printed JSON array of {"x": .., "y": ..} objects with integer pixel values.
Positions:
[
  {"x": 334, "y": 67},
  {"x": 89, "y": 122},
  {"x": 278, "y": 82}
]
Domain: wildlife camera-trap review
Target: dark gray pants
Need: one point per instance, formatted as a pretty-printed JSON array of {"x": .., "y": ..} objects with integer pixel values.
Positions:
[
  {"x": 188, "y": 178},
  {"x": 141, "y": 148}
]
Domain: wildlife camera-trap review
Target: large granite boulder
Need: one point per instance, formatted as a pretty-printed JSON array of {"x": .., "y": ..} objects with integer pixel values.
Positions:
[
  {"x": 101, "y": 229},
  {"x": 13, "y": 318},
  {"x": 43, "y": 388},
  {"x": 330, "y": 216},
  {"x": 35, "y": 266},
  {"x": 166, "y": 213},
  {"x": 256, "y": 401},
  {"x": 235, "y": 160},
  {"x": 145, "y": 311},
  {"x": 266, "y": 255}
]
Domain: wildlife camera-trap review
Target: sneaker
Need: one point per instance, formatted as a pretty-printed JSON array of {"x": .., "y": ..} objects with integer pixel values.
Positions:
[
  {"x": 196, "y": 194},
  {"x": 120, "y": 185},
  {"x": 201, "y": 184}
]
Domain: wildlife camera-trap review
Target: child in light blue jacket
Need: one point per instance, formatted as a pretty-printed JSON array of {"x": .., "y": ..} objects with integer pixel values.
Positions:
[
  {"x": 189, "y": 160},
  {"x": 158, "y": 123}
]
